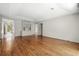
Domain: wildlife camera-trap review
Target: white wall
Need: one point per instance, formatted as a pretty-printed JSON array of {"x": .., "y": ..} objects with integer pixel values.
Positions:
[
  {"x": 17, "y": 27},
  {"x": 65, "y": 28}
]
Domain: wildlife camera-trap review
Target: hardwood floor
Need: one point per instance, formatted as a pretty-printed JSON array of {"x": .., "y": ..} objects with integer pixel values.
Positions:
[{"x": 37, "y": 46}]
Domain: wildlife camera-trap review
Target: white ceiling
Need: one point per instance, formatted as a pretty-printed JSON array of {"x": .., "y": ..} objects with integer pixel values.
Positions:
[{"x": 36, "y": 11}]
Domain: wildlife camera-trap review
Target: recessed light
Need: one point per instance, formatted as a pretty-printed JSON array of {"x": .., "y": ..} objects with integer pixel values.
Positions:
[{"x": 51, "y": 8}]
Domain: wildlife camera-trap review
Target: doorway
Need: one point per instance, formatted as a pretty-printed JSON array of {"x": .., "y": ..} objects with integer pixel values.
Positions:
[
  {"x": 39, "y": 29},
  {"x": 7, "y": 35},
  {"x": 8, "y": 28}
]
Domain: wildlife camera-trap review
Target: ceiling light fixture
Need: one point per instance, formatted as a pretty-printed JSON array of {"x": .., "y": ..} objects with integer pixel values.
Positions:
[{"x": 51, "y": 8}]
